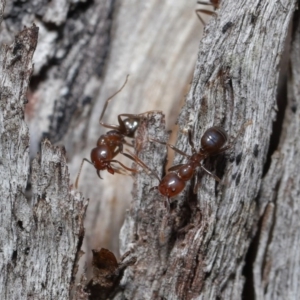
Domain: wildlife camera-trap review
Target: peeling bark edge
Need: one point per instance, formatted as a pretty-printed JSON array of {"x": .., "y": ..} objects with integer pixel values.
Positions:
[
  {"x": 40, "y": 238},
  {"x": 62, "y": 211},
  {"x": 276, "y": 267}
]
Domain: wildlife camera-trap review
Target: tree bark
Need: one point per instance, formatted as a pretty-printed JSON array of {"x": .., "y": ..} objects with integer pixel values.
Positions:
[
  {"x": 81, "y": 45},
  {"x": 276, "y": 265},
  {"x": 85, "y": 51},
  {"x": 41, "y": 237},
  {"x": 232, "y": 240},
  {"x": 202, "y": 248}
]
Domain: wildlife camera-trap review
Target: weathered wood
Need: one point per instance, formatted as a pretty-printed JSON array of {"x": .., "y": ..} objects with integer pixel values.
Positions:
[
  {"x": 156, "y": 43},
  {"x": 84, "y": 53},
  {"x": 40, "y": 238},
  {"x": 201, "y": 248},
  {"x": 198, "y": 250},
  {"x": 2, "y": 5},
  {"x": 277, "y": 266}
]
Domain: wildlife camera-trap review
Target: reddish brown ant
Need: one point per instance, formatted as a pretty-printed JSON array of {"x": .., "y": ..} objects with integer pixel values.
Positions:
[
  {"x": 213, "y": 142},
  {"x": 109, "y": 145},
  {"x": 214, "y": 3}
]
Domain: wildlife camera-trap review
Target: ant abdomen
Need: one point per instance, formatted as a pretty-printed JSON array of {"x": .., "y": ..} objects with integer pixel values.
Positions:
[{"x": 213, "y": 140}]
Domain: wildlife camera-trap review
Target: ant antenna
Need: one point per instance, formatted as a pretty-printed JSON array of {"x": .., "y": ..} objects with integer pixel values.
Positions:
[
  {"x": 107, "y": 100},
  {"x": 77, "y": 178}
]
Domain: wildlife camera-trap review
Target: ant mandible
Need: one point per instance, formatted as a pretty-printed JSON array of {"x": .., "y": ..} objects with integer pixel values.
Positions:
[
  {"x": 214, "y": 141},
  {"x": 214, "y": 3},
  {"x": 109, "y": 145}
]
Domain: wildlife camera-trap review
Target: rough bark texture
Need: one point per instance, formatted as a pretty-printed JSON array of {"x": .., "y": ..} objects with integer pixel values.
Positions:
[
  {"x": 85, "y": 51},
  {"x": 198, "y": 250},
  {"x": 40, "y": 238},
  {"x": 276, "y": 266},
  {"x": 232, "y": 240}
]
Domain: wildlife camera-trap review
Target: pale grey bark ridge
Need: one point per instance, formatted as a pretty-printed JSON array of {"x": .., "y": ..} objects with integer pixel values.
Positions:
[
  {"x": 39, "y": 238},
  {"x": 277, "y": 273}
]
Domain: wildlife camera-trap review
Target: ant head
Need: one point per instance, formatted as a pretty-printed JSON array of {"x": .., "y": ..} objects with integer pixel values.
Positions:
[{"x": 100, "y": 157}]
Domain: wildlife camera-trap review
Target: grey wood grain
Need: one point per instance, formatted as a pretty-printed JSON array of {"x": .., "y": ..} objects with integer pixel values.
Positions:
[
  {"x": 40, "y": 237},
  {"x": 206, "y": 237}
]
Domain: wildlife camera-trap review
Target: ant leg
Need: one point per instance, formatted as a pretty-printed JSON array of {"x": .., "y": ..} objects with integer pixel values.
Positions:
[
  {"x": 118, "y": 150},
  {"x": 175, "y": 168},
  {"x": 171, "y": 146},
  {"x": 77, "y": 178},
  {"x": 134, "y": 158},
  {"x": 167, "y": 204},
  {"x": 203, "y": 3},
  {"x": 128, "y": 144},
  {"x": 204, "y": 11},
  {"x": 196, "y": 185},
  {"x": 191, "y": 141},
  {"x": 214, "y": 5},
  {"x": 119, "y": 171},
  {"x": 133, "y": 116},
  {"x": 210, "y": 173},
  {"x": 106, "y": 104},
  {"x": 126, "y": 168},
  {"x": 153, "y": 188},
  {"x": 197, "y": 182}
]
